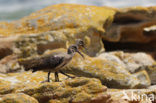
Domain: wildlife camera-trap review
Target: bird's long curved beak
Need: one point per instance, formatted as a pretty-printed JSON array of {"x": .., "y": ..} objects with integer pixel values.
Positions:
[
  {"x": 85, "y": 49},
  {"x": 80, "y": 54}
]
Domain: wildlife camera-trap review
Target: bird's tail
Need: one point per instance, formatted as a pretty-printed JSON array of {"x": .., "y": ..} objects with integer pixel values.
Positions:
[{"x": 25, "y": 63}]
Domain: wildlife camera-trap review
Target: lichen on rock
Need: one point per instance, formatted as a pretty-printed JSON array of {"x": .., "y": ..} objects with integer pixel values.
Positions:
[
  {"x": 66, "y": 90},
  {"x": 17, "y": 98},
  {"x": 128, "y": 33}
]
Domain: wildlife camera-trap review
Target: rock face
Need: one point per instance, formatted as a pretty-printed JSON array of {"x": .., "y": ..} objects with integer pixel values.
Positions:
[
  {"x": 131, "y": 25},
  {"x": 17, "y": 98},
  {"x": 130, "y": 61},
  {"x": 49, "y": 27},
  {"x": 133, "y": 29},
  {"x": 110, "y": 73},
  {"x": 128, "y": 33},
  {"x": 151, "y": 70},
  {"x": 140, "y": 65},
  {"x": 77, "y": 90}
]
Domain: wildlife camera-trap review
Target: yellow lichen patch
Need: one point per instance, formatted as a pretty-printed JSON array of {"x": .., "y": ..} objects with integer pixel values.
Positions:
[
  {"x": 66, "y": 91},
  {"x": 12, "y": 81},
  {"x": 58, "y": 17},
  {"x": 108, "y": 72},
  {"x": 151, "y": 70},
  {"x": 143, "y": 77},
  {"x": 17, "y": 98}
]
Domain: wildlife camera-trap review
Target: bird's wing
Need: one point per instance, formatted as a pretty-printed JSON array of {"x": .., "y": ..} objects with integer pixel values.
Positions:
[{"x": 44, "y": 62}]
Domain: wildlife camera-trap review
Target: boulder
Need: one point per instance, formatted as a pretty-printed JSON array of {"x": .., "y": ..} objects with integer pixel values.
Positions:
[
  {"x": 9, "y": 64},
  {"x": 131, "y": 25},
  {"x": 131, "y": 61},
  {"x": 79, "y": 89},
  {"x": 143, "y": 77},
  {"x": 110, "y": 73},
  {"x": 140, "y": 64},
  {"x": 17, "y": 98},
  {"x": 151, "y": 70},
  {"x": 133, "y": 29},
  {"x": 58, "y": 24}
]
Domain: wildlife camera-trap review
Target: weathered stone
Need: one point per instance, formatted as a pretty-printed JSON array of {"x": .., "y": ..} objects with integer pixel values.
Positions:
[
  {"x": 152, "y": 87},
  {"x": 129, "y": 25},
  {"x": 77, "y": 90},
  {"x": 130, "y": 61},
  {"x": 110, "y": 73},
  {"x": 143, "y": 77},
  {"x": 17, "y": 98},
  {"x": 133, "y": 29},
  {"x": 134, "y": 63},
  {"x": 9, "y": 64},
  {"x": 151, "y": 70},
  {"x": 57, "y": 24},
  {"x": 6, "y": 46}
]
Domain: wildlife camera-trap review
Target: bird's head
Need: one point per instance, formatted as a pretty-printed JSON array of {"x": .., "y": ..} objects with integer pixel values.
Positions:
[
  {"x": 80, "y": 43},
  {"x": 73, "y": 49}
]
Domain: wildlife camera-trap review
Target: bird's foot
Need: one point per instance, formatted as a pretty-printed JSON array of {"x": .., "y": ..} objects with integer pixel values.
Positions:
[
  {"x": 70, "y": 76},
  {"x": 56, "y": 80},
  {"x": 66, "y": 74},
  {"x": 45, "y": 81}
]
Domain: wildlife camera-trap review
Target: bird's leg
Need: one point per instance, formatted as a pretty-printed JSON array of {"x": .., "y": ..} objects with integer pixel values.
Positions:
[
  {"x": 66, "y": 74},
  {"x": 49, "y": 76},
  {"x": 56, "y": 77}
]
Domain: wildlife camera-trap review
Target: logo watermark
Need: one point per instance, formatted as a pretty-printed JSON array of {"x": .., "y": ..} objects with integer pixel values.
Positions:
[{"x": 134, "y": 95}]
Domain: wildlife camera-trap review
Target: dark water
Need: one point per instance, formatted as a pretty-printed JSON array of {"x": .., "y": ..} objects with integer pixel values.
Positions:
[{"x": 15, "y": 9}]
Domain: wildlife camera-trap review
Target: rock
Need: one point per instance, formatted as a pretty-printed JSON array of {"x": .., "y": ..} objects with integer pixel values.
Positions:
[
  {"x": 17, "y": 98},
  {"x": 129, "y": 24},
  {"x": 130, "y": 61},
  {"x": 79, "y": 89},
  {"x": 110, "y": 73},
  {"x": 53, "y": 26},
  {"x": 151, "y": 70},
  {"x": 9, "y": 64},
  {"x": 136, "y": 63},
  {"x": 6, "y": 47},
  {"x": 152, "y": 87},
  {"x": 143, "y": 77},
  {"x": 57, "y": 26},
  {"x": 133, "y": 30}
]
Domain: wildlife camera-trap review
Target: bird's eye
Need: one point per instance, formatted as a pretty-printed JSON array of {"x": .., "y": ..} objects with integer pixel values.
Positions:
[
  {"x": 81, "y": 43},
  {"x": 73, "y": 50},
  {"x": 74, "y": 47}
]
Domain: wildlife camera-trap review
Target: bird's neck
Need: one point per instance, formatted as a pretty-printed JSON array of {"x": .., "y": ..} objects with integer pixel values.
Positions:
[{"x": 70, "y": 53}]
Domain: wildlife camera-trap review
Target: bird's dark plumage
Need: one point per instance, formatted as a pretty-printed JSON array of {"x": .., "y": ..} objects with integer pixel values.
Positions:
[
  {"x": 49, "y": 61},
  {"x": 52, "y": 62}
]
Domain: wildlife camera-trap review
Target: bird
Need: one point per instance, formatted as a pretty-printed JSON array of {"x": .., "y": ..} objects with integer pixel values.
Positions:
[
  {"x": 80, "y": 43},
  {"x": 52, "y": 62}
]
